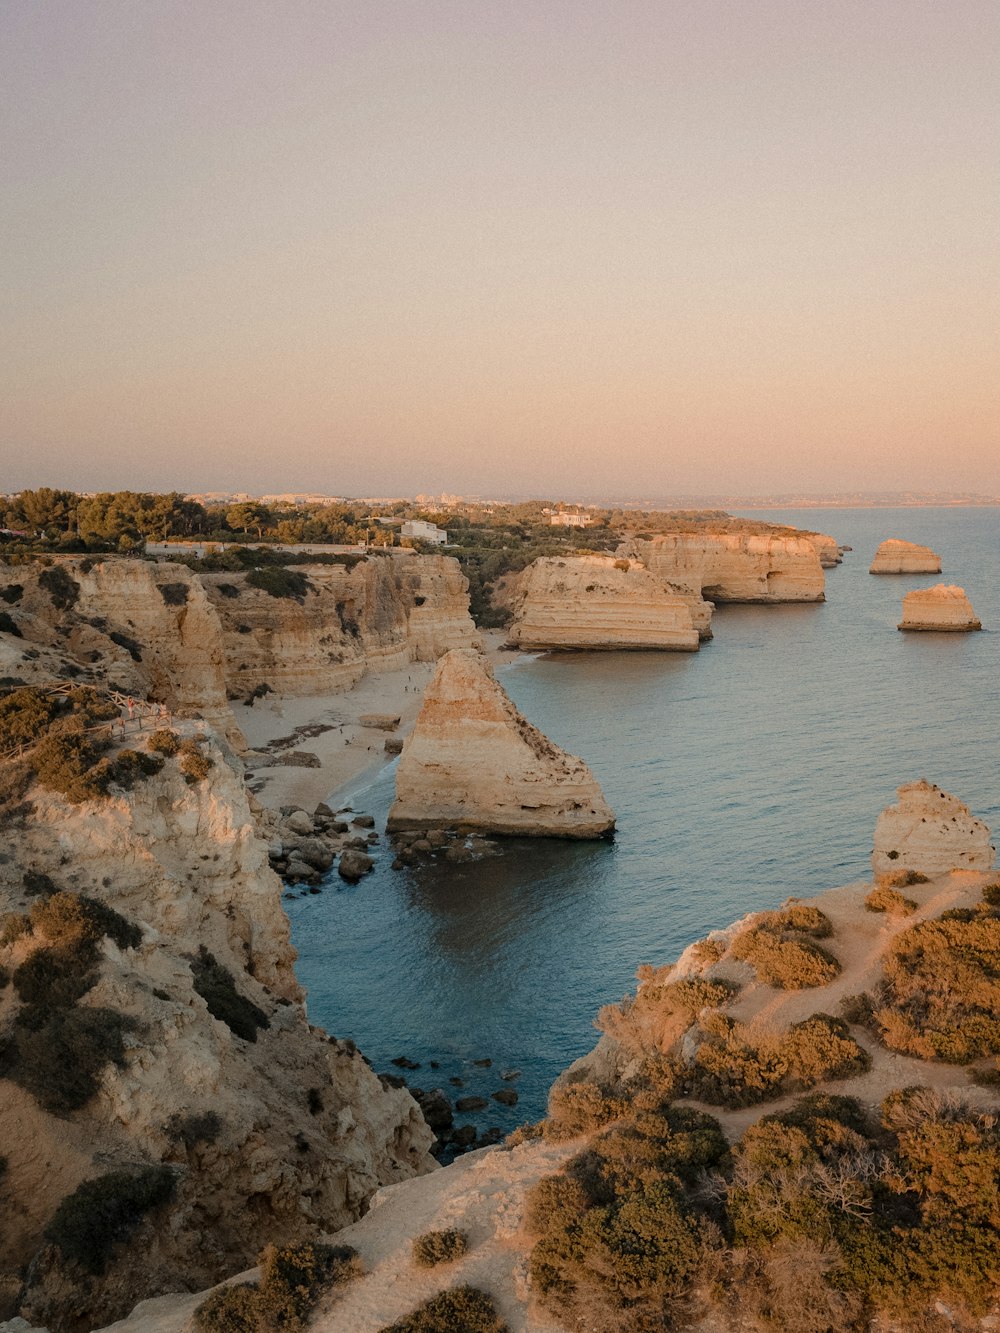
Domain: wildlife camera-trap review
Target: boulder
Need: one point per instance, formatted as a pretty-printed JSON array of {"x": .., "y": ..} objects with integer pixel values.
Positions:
[
  {"x": 466, "y": 1104},
  {"x": 393, "y": 745},
  {"x": 899, "y": 557},
  {"x": 299, "y": 759},
  {"x": 436, "y": 1110},
  {"x": 943, "y": 607},
  {"x": 475, "y": 764},
  {"x": 505, "y": 1096},
  {"x": 314, "y": 853},
  {"x": 380, "y": 721},
  {"x": 929, "y": 832},
  {"x": 354, "y": 865},
  {"x": 299, "y": 822},
  {"x": 363, "y": 821}
]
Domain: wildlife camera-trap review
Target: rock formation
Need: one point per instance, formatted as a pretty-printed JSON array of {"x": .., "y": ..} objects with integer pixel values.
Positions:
[
  {"x": 474, "y": 763},
  {"x": 943, "y": 607},
  {"x": 827, "y": 548},
  {"x": 269, "y": 1133},
  {"x": 596, "y": 601},
  {"x": 376, "y": 614},
  {"x": 737, "y": 566},
  {"x": 899, "y": 557},
  {"x": 930, "y": 832}
]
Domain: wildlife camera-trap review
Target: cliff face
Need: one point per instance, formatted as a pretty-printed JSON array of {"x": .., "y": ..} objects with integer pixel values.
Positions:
[
  {"x": 930, "y": 832},
  {"x": 899, "y": 557},
  {"x": 280, "y": 1136},
  {"x": 145, "y": 628},
  {"x": 942, "y": 607},
  {"x": 737, "y": 566},
  {"x": 598, "y": 601},
  {"x": 827, "y": 548},
  {"x": 474, "y": 763},
  {"x": 378, "y": 615}
]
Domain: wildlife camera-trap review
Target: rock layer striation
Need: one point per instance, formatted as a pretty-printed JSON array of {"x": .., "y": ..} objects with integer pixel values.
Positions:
[
  {"x": 930, "y": 832},
  {"x": 475, "y": 764},
  {"x": 738, "y": 566},
  {"x": 943, "y": 607},
  {"x": 898, "y": 557}
]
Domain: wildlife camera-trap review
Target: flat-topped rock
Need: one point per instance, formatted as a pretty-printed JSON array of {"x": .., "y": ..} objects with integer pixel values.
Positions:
[
  {"x": 899, "y": 557},
  {"x": 599, "y": 602},
  {"x": 930, "y": 832},
  {"x": 473, "y": 763},
  {"x": 738, "y": 566},
  {"x": 943, "y": 607}
]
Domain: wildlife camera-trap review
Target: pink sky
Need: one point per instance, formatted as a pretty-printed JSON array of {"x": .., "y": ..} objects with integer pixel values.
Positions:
[{"x": 542, "y": 246}]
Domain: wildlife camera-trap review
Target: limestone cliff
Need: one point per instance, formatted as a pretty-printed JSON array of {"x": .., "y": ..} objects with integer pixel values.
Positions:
[
  {"x": 147, "y": 629},
  {"x": 735, "y": 566},
  {"x": 595, "y": 601},
  {"x": 899, "y": 557},
  {"x": 827, "y": 548},
  {"x": 269, "y": 1131},
  {"x": 474, "y": 763},
  {"x": 929, "y": 832},
  {"x": 375, "y": 615},
  {"x": 943, "y": 607}
]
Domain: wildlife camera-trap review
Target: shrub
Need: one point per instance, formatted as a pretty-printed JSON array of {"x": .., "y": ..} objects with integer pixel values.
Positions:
[
  {"x": 784, "y": 962},
  {"x": 229, "y": 590},
  {"x": 35, "y": 882},
  {"x": 821, "y": 1048},
  {"x": 12, "y": 593},
  {"x": 73, "y": 916},
  {"x": 132, "y": 646},
  {"x": 69, "y": 762},
  {"x": 232, "y": 1309},
  {"x": 459, "y": 1310},
  {"x": 215, "y": 984},
  {"x": 101, "y": 1213},
  {"x": 8, "y": 625},
  {"x": 132, "y": 766},
  {"x": 293, "y": 1277},
  {"x": 62, "y": 589},
  {"x": 174, "y": 594},
  {"x": 799, "y": 917},
  {"x": 58, "y": 976},
  {"x": 58, "y": 1054},
  {"x": 439, "y": 1247},
  {"x": 195, "y": 765},
  {"x": 991, "y": 894},
  {"x": 707, "y": 951},
  {"x": 278, "y": 581},
  {"x": 579, "y": 1108},
  {"x": 885, "y": 899},
  {"x": 13, "y": 925},
  {"x": 190, "y": 1130},
  {"x": 164, "y": 742},
  {"x": 25, "y": 716},
  {"x": 902, "y": 879}
]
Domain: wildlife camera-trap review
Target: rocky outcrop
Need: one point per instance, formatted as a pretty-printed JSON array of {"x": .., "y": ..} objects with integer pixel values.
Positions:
[
  {"x": 943, "y": 607},
  {"x": 827, "y": 548},
  {"x": 374, "y": 614},
  {"x": 737, "y": 566},
  {"x": 280, "y": 1133},
  {"x": 594, "y": 601},
  {"x": 899, "y": 557},
  {"x": 474, "y": 763},
  {"x": 147, "y": 629},
  {"x": 931, "y": 833}
]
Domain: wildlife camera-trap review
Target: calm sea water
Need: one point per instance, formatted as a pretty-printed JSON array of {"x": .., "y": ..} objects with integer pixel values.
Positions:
[{"x": 749, "y": 771}]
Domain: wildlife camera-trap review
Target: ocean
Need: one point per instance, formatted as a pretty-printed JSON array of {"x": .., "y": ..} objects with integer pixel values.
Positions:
[{"x": 742, "y": 774}]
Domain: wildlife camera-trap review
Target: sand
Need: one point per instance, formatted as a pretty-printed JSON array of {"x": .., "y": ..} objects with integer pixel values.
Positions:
[{"x": 327, "y": 726}]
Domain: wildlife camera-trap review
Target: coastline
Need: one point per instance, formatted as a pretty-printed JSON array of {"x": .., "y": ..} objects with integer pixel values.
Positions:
[{"x": 328, "y": 726}]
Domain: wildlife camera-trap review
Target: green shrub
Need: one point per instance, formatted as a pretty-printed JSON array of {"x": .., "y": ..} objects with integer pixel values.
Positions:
[
  {"x": 195, "y": 765},
  {"x": 293, "y": 1277},
  {"x": 197, "y": 1127},
  {"x": 232, "y": 1309},
  {"x": 707, "y": 951},
  {"x": 215, "y": 984},
  {"x": 174, "y": 594},
  {"x": 8, "y": 625},
  {"x": 164, "y": 742},
  {"x": 69, "y": 762},
  {"x": 439, "y": 1247},
  {"x": 103, "y": 1212},
  {"x": 459, "y": 1310},
  {"x": 991, "y": 894},
  {"x": 58, "y": 1054},
  {"x": 13, "y": 925},
  {"x": 578, "y": 1108},
  {"x": 62, "y": 589},
  {"x": 58, "y": 976},
  {"x": 36, "y": 883},
  {"x": 885, "y": 899},
  {"x": 73, "y": 916},
  {"x": 784, "y": 962},
  {"x": 278, "y": 581},
  {"x": 902, "y": 879},
  {"x": 12, "y": 593},
  {"x": 800, "y": 917},
  {"x": 132, "y": 766},
  {"x": 25, "y": 716}
]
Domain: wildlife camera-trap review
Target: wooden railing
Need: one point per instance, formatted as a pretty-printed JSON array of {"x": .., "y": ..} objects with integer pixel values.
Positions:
[{"x": 132, "y": 715}]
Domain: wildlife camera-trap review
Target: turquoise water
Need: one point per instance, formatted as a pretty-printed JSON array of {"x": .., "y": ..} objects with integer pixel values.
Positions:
[{"x": 749, "y": 771}]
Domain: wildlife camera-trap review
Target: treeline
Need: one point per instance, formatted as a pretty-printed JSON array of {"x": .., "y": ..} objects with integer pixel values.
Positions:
[{"x": 125, "y": 520}]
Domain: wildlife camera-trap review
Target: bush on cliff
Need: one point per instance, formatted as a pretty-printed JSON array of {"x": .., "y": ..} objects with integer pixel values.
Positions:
[
  {"x": 8, "y": 625},
  {"x": 459, "y": 1310},
  {"x": 74, "y": 916},
  {"x": 889, "y": 900},
  {"x": 58, "y": 1054},
  {"x": 164, "y": 742},
  {"x": 194, "y": 764},
  {"x": 62, "y": 589},
  {"x": 102, "y": 1213},
  {"x": 439, "y": 1247},
  {"x": 216, "y": 986},
  {"x": 292, "y": 1280},
  {"x": 783, "y": 960},
  {"x": 25, "y": 716},
  {"x": 277, "y": 581}
]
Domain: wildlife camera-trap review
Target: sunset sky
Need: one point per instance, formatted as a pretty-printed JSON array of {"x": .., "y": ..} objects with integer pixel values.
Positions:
[{"x": 554, "y": 247}]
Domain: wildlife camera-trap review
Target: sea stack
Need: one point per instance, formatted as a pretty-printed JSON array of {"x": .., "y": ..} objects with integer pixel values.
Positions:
[
  {"x": 929, "y": 832},
  {"x": 473, "y": 763},
  {"x": 899, "y": 557},
  {"x": 599, "y": 602},
  {"x": 943, "y": 607}
]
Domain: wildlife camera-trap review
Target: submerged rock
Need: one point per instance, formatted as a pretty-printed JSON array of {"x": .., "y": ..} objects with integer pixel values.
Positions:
[
  {"x": 475, "y": 764},
  {"x": 931, "y": 833}
]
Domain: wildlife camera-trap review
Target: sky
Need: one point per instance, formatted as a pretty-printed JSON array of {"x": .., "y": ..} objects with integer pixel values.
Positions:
[{"x": 554, "y": 247}]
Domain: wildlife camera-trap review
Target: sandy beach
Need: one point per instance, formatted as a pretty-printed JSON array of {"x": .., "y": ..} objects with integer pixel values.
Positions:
[{"x": 328, "y": 727}]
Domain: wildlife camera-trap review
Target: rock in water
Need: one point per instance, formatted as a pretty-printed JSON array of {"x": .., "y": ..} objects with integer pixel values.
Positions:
[
  {"x": 929, "y": 832},
  {"x": 943, "y": 607},
  {"x": 899, "y": 557},
  {"x": 474, "y": 763}
]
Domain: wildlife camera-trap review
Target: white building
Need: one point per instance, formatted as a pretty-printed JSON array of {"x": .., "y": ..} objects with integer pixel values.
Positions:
[
  {"x": 564, "y": 518},
  {"x": 424, "y": 532}
]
